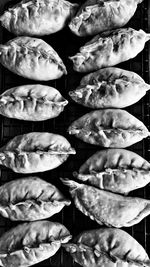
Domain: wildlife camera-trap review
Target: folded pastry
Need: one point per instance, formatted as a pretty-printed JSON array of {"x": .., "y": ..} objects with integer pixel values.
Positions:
[
  {"x": 116, "y": 170},
  {"x": 96, "y": 16},
  {"x": 38, "y": 17},
  {"x": 33, "y": 200},
  {"x": 109, "y": 128},
  {"x": 107, "y": 208},
  {"x": 107, "y": 247},
  {"x": 32, "y": 58},
  {"x": 109, "y": 48},
  {"x": 30, "y": 243},
  {"x": 32, "y": 102},
  {"x": 110, "y": 87},
  {"x": 35, "y": 152}
]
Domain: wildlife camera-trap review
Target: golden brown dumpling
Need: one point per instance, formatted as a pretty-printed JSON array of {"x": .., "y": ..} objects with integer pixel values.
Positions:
[
  {"x": 116, "y": 170},
  {"x": 34, "y": 199},
  {"x": 32, "y": 58},
  {"x": 35, "y": 152},
  {"x": 115, "y": 128},
  {"x": 96, "y": 16},
  {"x": 109, "y": 48},
  {"x": 32, "y": 102},
  {"x": 38, "y": 17},
  {"x": 30, "y": 243},
  {"x": 107, "y": 247},
  {"x": 110, "y": 88},
  {"x": 106, "y": 208}
]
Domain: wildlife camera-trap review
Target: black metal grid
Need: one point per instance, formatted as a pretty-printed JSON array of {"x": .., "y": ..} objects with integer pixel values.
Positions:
[{"x": 66, "y": 44}]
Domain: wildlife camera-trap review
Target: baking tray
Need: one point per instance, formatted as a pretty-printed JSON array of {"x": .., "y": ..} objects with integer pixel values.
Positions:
[{"x": 67, "y": 44}]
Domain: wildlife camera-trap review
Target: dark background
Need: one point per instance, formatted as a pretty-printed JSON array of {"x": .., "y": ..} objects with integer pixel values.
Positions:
[{"x": 67, "y": 44}]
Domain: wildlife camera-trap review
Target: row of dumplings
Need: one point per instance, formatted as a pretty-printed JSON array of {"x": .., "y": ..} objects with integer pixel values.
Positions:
[
  {"x": 34, "y": 59},
  {"x": 106, "y": 88},
  {"x": 30, "y": 243},
  {"x": 44, "y": 17}
]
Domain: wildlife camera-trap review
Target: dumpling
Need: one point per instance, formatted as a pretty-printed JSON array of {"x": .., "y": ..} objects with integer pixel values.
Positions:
[
  {"x": 38, "y": 17},
  {"x": 109, "y": 128},
  {"x": 107, "y": 247},
  {"x": 116, "y": 170},
  {"x": 34, "y": 199},
  {"x": 110, "y": 88},
  {"x": 96, "y": 16},
  {"x": 32, "y": 102},
  {"x": 30, "y": 243},
  {"x": 109, "y": 48},
  {"x": 32, "y": 58},
  {"x": 35, "y": 152},
  {"x": 106, "y": 208}
]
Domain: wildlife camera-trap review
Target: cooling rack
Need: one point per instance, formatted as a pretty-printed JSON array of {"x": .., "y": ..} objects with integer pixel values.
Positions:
[{"x": 66, "y": 44}]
